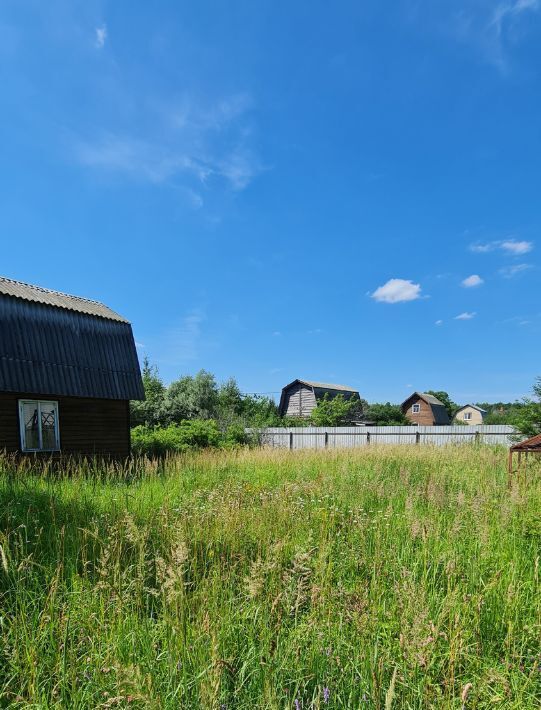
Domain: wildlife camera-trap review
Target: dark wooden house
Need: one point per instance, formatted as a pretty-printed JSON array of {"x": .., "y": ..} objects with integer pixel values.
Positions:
[
  {"x": 425, "y": 409},
  {"x": 300, "y": 397},
  {"x": 68, "y": 368}
]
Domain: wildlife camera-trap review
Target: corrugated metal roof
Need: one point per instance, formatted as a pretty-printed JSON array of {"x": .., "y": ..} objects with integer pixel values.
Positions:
[
  {"x": 47, "y": 297},
  {"x": 326, "y": 386},
  {"x": 534, "y": 443},
  {"x": 46, "y": 349}
]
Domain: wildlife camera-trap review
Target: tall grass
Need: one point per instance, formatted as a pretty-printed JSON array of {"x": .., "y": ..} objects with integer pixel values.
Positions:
[{"x": 403, "y": 578}]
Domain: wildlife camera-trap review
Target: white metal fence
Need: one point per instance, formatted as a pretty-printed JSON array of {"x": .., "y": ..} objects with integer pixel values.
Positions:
[{"x": 350, "y": 437}]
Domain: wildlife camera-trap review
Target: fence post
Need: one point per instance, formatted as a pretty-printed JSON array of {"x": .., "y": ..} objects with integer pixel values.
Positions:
[
  {"x": 477, "y": 437},
  {"x": 367, "y": 437},
  {"x": 326, "y": 439},
  {"x": 417, "y": 437},
  {"x": 290, "y": 440}
]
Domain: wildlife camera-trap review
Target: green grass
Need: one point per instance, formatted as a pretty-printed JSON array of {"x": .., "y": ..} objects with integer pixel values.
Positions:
[{"x": 392, "y": 577}]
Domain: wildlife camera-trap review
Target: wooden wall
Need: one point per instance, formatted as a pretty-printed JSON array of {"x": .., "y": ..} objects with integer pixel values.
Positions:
[
  {"x": 424, "y": 418},
  {"x": 300, "y": 401},
  {"x": 87, "y": 427}
]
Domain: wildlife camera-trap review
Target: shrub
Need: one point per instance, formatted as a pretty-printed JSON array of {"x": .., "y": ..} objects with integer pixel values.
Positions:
[{"x": 186, "y": 436}]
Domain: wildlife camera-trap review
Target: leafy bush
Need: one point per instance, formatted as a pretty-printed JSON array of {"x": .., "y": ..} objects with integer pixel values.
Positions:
[
  {"x": 337, "y": 411},
  {"x": 528, "y": 419},
  {"x": 185, "y": 436},
  {"x": 386, "y": 414}
]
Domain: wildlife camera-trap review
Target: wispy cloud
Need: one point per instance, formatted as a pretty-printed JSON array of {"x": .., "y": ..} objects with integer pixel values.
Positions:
[
  {"x": 508, "y": 272},
  {"x": 191, "y": 145},
  {"x": 466, "y": 316},
  {"x": 493, "y": 28},
  {"x": 181, "y": 343},
  {"x": 472, "y": 281},
  {"x": 397, "y": 291},
  {"x": 438, "y": 322},
  {"x": 101, "y": 36},
  {"x": 514, "y": 247}
]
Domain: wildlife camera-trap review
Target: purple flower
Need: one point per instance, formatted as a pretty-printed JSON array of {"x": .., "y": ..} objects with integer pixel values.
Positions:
[
  {"x": 297, "y": 704},
  {"x": 326, "y": 695}
]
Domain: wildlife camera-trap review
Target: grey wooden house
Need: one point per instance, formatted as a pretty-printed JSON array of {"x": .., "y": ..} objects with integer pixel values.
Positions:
[
  {"x": 300, "y": 397},
  {"x": 68, "y": 368}
]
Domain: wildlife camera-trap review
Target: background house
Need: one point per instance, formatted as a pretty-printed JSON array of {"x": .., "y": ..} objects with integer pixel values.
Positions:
[
  {"x": 68, "y": 368},
  {"x": 470, "y": 414},
  {"x": 425, "y": 409},
  {"x": 300, "y": 397}
]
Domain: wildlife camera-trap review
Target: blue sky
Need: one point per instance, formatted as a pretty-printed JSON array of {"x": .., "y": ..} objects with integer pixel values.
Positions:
[{"x": 346, "y": 192}]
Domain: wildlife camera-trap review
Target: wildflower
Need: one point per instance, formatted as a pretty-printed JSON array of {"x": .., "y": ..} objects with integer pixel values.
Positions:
[
  {"x": 326, "y": 695},
  {"x": 297, "y": 704}
]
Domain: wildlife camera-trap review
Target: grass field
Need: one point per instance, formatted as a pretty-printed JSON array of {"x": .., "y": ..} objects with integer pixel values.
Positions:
[{"x": 382, "y": 578}]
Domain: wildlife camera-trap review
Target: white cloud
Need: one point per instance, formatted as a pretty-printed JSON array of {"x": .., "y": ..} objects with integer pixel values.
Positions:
[
  {"x": 509, "y": 246},
  {"x": 439, "y": 322},
  {"x": 472, "y": 281},
  {"x": 465, "y": 316},
  {"x": 190, "y": 144},
  {"x": 397, "y": 291},
  {"x": 509, "y": 271},
  {"x": 512, "y": 246},
  {"x": 101, "y": 36}
]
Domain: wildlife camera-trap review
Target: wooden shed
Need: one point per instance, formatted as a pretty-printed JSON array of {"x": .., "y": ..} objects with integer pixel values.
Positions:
[
  {"x": 425, "y": 409},
  {"x": 68, "y": 368},
  {"x": 300, "y": 397},
  {"x": 531, "y": 446}
]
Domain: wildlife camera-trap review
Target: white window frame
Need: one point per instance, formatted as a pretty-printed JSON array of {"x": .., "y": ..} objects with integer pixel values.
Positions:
[
  {"x": 416, "y": 408},
  {"x": 468, "y": 416},
  {"x": 38, "y": 403}
]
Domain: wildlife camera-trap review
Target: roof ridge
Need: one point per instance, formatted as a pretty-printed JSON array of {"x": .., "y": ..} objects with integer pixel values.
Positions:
[
  {"x": 52, "y": 290},
  {"x": 57, "y": 299}
]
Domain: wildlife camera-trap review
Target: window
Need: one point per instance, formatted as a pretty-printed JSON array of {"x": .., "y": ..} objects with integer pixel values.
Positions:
[
  {"x": 467, "y": 416},
  {"x": 416, "y": 408},
  {"x": 39, "y": 425}
]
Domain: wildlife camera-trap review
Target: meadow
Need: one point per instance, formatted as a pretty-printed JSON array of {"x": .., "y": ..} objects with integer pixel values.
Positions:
[{"x": 377, "y": 578}]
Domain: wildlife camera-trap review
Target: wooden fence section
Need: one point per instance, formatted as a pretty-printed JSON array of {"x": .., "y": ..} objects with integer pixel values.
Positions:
[{"x": 350, "y": 437}]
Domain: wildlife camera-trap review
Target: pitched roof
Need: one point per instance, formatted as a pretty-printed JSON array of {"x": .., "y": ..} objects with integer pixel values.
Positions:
[
  {"x": 472, "y": 406},
  {"x": 429, "y": 398},
  {"x": 326, "y": 386},
  {"x": 47, "y": 297},
  {"x": 528, "y": 444},
  {"x": 54, "y": 344}
]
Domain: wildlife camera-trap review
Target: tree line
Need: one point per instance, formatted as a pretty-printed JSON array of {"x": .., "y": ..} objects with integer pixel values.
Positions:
[{"x": 201, "y": 398}]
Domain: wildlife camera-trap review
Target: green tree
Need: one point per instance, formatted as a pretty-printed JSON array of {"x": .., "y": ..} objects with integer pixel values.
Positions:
[
  {"x": 447, "y": 402},
  {"x": 337, "y": 411},
  {"x": 528, "y": 418},
  {"x": 386, "y": 414},
  {"x": 192, "y": 397},
  {"x": 151, "y": 411}
]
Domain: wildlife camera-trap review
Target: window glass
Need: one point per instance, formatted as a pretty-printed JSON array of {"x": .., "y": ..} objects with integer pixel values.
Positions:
[
  {"x": 39, "y": 425},
  {"x": 48, "y": 425},
  {"x": 30, "y": 425},
  {"x": 416, "y": 408}
]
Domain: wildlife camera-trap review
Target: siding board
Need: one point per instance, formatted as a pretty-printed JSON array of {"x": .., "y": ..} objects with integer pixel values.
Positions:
[{"x": 88, "y": 427}]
